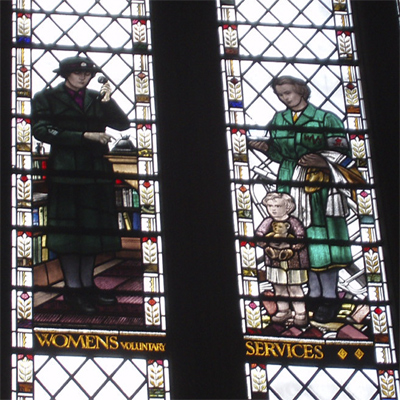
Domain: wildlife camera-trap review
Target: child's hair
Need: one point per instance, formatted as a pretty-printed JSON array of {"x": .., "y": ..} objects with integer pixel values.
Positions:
[{"x": 287, "y": 198}]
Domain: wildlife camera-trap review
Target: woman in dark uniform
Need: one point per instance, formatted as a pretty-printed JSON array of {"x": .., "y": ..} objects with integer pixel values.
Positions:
[{"x": 81, "y": 204}]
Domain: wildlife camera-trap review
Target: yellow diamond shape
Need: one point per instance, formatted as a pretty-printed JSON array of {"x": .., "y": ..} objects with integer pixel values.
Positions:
[
  {"x": 359, "y": 354},
  {"x": 342, "y": 354}
]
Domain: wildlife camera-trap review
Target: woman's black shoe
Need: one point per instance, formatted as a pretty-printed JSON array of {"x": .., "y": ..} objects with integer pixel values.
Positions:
[
  {"x": 80, "y": 303},
  {"x": 100, "y": 297},
  {"x": 326, "y": 312},
  {"x": 105, "y": 299}
]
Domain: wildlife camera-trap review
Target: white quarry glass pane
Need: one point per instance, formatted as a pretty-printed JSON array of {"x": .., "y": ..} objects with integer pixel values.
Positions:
[
  {"x": 252, "y": 10},
  {"x": 72, "y": 390},
  {"x": 285, "y": 11},
  {"x": 318, "y": 13},
  {"x": 52, "y": 376},
  {"x": 97, "y": 377},
  {"x": 286, "y": 385},
  {"x": 323, "y": 386},
  {"x": 253, "y": 41},
  {"x": 78, "y": 5}
]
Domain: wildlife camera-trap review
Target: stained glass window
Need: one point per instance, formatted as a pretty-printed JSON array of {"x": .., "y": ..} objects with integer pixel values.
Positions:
[
  {"x": 313, "y": 290},
  {"x": 97, "y": 214}
]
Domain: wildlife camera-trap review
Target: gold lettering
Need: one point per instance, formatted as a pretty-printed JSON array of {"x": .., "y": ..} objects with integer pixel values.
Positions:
[
  {"x": 43, "y": 339},
  {"x": 294, "y": 351},
  {"x": 144, "y": 346},
  {"x": 250, "y": 349},
  {"x": 76, "y": 343},
  {"x": 90, "y": 342},
  {"x": 114, "y": 343},
  {"x": 281, "y": 351},
  {"x": 270, "y": 347},
  {"x": 289, "y": 350},
  {"x": 308, "y": 351},
  {"x": 135, "y": 346},
  {"x": 318, "y": 352},
  {"x": 259, "y": 348},
  {"x": 64, "y": 343}
]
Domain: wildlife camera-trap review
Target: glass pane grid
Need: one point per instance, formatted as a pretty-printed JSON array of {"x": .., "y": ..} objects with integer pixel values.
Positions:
[
  {"x": 314, "y": 41},
  {"x": 116, "y": 36}
]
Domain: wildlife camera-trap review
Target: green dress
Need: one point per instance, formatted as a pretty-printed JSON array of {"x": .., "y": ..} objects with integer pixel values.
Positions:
[
  {"x": 82, "y": 215},
  {"x": 289, "y": 142}
]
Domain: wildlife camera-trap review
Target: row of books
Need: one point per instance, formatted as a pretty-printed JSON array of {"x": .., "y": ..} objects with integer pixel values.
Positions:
[
  {"x": 127, "y": 197},
  {"x": 40, "y": 252},
  {"x": 39, "y": 216},
  {"x": 129, "y": 221}
]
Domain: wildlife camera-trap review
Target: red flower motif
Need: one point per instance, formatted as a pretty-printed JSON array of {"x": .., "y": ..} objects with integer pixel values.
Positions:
[
  {"x": 243, "y": 189},
  {"x": 234, "y": 81},
  {"x": 243, "y": 244},
  {"x": 24, "y": 178},
  {"x": 364, "y": 194},
  {"x": 23, "y": 69},
  {"x": 350, "y": 86},
  {"x": 253, "y": 305},
  {"x": 147, "y": 184},
  {"x": 25, "y": 296},
  {"x": 118, "y": 181},
  {"x": 378, "y": 311},
  {"x": 145, "y": 239},
  {"x": 152, "y": 302}
]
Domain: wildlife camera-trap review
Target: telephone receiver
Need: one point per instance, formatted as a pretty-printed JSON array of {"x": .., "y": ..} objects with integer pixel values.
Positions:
[{"x": 102, "y": 79}]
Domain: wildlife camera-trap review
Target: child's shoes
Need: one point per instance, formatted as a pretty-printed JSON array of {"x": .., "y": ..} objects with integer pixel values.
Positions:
[
  {"x": 282, "y": 316},
  {"x": 300, "y": 319}
]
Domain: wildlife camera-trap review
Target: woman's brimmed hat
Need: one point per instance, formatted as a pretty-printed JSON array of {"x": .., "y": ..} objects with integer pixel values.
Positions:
[{"x": 72, "y": 64}]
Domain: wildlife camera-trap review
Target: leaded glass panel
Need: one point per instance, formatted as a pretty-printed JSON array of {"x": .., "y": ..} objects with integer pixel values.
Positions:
[
  {"x": 311, "y": 276},
  {"x": 62, "y": 332}
]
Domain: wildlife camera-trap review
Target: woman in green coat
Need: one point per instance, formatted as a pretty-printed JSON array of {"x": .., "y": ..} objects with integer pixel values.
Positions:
[
  {"x": 81, "y": 202},
  {"x": 311, "y": 147}
]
